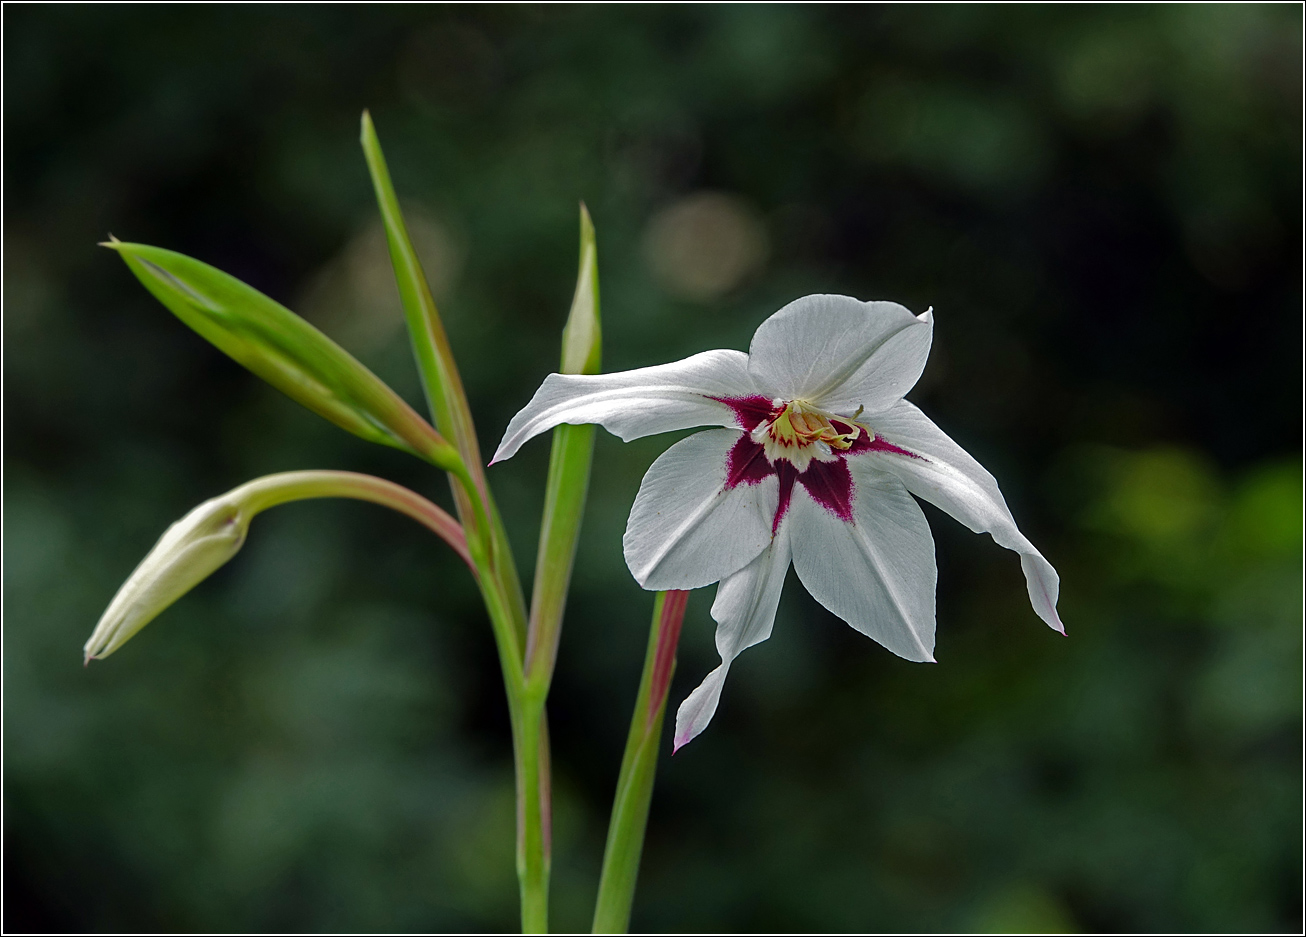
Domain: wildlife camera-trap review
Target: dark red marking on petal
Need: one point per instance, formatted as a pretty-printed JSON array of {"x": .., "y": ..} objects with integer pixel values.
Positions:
[
  {"x": 880, "y": 444},
  {"x": 749, "y": 411},
  {"x": 831, "y": 486},
  {"x": 746, "y": 463},
  {"x": 786, "y": 472},
  {"x": 865, "y": 442}
]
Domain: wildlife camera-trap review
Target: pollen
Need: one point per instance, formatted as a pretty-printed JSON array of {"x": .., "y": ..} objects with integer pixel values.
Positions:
[{"x": 800, "y": 432}]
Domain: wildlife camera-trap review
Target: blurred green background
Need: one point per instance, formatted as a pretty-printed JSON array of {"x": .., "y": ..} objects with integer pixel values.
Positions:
[{"x": 1101, "y": 203}]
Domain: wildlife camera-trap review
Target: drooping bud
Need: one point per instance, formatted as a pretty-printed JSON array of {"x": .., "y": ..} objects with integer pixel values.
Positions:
[
  {"x": 197, "y": 545},
  {"x": 187, "y": 554}
]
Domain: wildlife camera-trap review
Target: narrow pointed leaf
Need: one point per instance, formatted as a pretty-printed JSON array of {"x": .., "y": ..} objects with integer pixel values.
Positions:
[
  {"x": 444, "y": 388},
  {"x": 284, "y": 350},
  {"x": 569, "y": 470},
  {"x": 443, "y": 385}
]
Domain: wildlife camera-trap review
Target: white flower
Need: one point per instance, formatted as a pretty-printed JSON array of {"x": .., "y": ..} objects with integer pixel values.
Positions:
[{"x": 817, "y": 401}]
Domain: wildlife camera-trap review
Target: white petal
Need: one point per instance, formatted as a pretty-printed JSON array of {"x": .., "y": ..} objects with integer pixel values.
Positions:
[
  {"x": 631, "y": 404},
  {"x": 876, "y": 573},
  {"x": 949, "y": 478},
  {"x": 685, "y": 529},
  {"x": 745, "y": 611},
  {"x": 840, "y": 353}
]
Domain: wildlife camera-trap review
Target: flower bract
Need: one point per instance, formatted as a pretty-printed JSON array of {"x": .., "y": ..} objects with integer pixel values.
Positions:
[{"x": 814, "y": 465}]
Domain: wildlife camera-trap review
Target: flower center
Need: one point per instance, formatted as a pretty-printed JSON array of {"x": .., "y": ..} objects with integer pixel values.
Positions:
[{"x": 799, "y": 432}]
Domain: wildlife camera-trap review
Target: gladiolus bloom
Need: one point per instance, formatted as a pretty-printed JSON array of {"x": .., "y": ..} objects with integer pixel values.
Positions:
[{"x": 815, "y": 465}]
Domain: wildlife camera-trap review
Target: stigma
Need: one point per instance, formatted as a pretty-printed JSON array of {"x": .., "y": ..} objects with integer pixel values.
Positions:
[{"x": 797, "y": 431}]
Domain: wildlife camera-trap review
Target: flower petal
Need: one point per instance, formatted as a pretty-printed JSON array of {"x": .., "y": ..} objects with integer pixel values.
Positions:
[
  {"x": 840, "y": 353},
  {"x": 631, "y": 404},
  {"x": 876, "y": 573},
  {"x": 745, "y": 611},
  {"x": 686, "y": 528},
  {"x": 949, "y": 478}
]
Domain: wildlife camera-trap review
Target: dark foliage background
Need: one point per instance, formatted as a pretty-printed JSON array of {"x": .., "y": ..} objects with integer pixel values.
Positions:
[{"x": 1101, "y": 203}]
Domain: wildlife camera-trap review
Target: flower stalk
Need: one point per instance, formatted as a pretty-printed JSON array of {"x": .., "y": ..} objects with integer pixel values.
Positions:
[
  {"x": 638, "y": 766},
  {"x": 212, "y": 533}
]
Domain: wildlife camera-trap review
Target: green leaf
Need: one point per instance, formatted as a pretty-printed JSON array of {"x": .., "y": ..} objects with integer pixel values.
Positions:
[
  {"x": 284, "y": 350},
  {"x": 444, "y": 387},
  {"x": 569, "y": 470}
]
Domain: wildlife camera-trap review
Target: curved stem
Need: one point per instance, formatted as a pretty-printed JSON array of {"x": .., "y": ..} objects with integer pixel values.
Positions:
[
  {"x": 283, "y": 487},
  {"x": 638, "y": 765},
  {"x": 213, "y": 532}
]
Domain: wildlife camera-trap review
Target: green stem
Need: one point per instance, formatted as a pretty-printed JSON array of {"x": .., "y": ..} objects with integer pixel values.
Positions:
[
  {"x": 530, "y": 741},
  {"x": 638, "y": 765},
  {"x": 487, "y": 540},
  {"x": 271, "y": 490},
  {"x": 564, "y": 506},
  {"x": 568, "y": 482},
  {"x": 569, "y": 474},
  {"x": 497, "y": 595},
  {"x": 534, "y": 823}
]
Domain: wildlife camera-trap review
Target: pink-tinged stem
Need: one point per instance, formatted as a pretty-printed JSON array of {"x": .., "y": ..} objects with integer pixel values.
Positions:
[
  {"x": 638, "y": 766},
  {"x": 283, "y": 487},
  {"x": 664, "y": 659}
]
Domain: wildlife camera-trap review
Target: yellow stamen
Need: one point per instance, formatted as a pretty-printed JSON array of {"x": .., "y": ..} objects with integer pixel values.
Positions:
[{"x": 795, "y": 431}]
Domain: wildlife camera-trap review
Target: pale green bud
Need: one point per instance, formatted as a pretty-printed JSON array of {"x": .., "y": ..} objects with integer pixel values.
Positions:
[
  {"x": 187, "y": 553},
  {"x": 191, "y": 549}
]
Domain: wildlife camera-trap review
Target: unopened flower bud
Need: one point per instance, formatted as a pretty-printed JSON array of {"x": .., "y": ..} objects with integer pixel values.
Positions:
[
  {"x": 191, "y": 549},
  {"x": 187, "y": 553}
]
